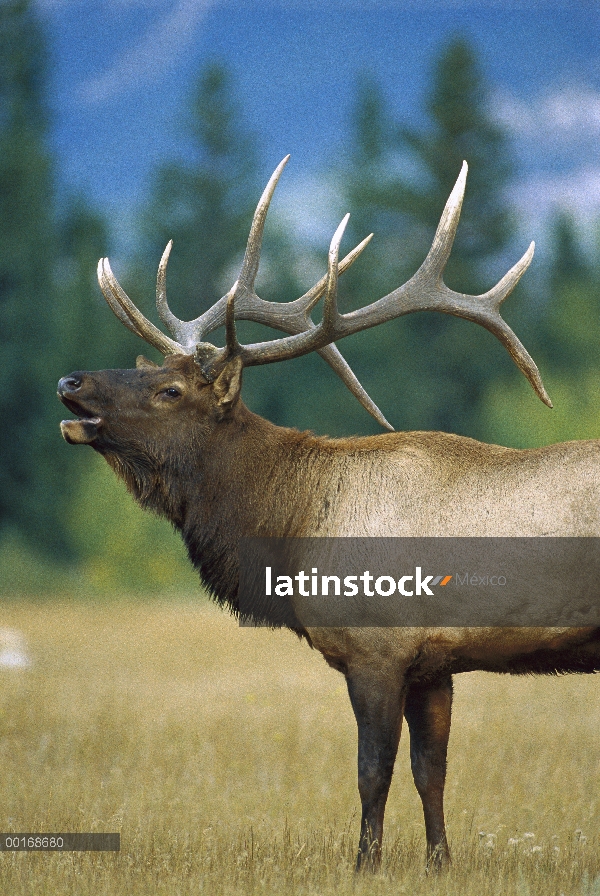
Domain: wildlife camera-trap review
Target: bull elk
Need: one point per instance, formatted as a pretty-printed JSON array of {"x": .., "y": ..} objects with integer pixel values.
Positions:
[{"x": 186, "y": 446}]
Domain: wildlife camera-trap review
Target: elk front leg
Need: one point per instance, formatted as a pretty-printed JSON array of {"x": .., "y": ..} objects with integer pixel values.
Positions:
[
  {"x": 378, "y": 704},
  {"x": 428, "y": 710}
]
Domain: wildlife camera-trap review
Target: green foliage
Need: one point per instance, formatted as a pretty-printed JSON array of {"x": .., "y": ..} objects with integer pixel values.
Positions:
[
  {"x": 120, "y": 546},
  {"x": 567, "y": 331},
  {"x": 564, "y": 339},
  {"x": 25, "y": 572},
  {"x": 91, "y": 337},
  {"x": 27, "y": 244},
  {"x": 51, "y": 320},
  {"x": 511, "y": 418},
  {"x": 88, "y": 337},
  {"x": 425, "y": 370}
]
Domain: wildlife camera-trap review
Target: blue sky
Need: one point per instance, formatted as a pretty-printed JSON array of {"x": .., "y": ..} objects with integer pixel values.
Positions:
[{"x": 122, "y": 70}]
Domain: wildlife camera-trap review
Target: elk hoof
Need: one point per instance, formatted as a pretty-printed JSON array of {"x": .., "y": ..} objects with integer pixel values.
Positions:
[{"x": 438, "y": 860}]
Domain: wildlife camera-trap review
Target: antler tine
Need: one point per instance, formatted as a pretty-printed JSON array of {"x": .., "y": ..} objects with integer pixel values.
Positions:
[
  {"x": 191, "y": 333},
  {"x": 252, "y": 255},
  {"x": 187, "y": 333},
  {"x": 520, "y": 356},
  {"x": 496, "y": 295},
  {"x": 116, "y": 297},
  {"x": 339, "y": 365},
  {"x": 111, "y": 301},
  {"x": 496, "y": 325},
  {"x": 330, "y": 310},
  {"x": 164, "y": 312},
  {"x": 313, "y": 296},
  {"x": 441, "y": 247},
  {"x": 233, "y": 346}
]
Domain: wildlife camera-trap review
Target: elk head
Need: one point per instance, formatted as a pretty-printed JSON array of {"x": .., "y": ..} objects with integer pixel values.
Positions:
[{"x": 198, "y": 384}]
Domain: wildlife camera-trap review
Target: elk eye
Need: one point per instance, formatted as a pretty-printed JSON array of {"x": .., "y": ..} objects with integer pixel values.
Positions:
[{"x": 172, "y": 392}]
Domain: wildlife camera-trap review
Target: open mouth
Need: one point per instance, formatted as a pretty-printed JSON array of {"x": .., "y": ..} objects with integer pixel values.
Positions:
[{"x": 84, "y": 429}]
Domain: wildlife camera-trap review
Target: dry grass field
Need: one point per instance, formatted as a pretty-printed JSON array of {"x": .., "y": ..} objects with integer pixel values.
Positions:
[{"x": 225, "y": 757}]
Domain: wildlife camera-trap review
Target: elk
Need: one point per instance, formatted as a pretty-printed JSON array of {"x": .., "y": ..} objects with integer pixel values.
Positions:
[{"x": 188, "y": 448}]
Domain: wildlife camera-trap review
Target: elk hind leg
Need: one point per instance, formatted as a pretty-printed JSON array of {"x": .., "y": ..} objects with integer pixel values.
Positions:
[{"x": 427, "y": 711}]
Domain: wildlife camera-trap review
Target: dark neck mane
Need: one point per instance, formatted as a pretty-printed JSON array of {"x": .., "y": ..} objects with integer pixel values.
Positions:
[
  {"x": 251, "y": 488},
  {"x": 250, "y": 480}
]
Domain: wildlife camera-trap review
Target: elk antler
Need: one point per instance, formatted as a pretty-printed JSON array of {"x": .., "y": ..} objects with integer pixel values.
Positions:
[
  {"x": 425, "y": 291},
  {"x": 291, "y": 317}
]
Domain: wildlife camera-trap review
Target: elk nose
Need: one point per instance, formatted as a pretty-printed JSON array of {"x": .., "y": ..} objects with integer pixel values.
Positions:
[{"x": 69, "y": 384}]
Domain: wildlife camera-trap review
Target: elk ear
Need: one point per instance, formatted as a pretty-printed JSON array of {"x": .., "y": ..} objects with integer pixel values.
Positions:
[
  {"x": 143, "y": 363},
  {"x": 228, "y": 384}
]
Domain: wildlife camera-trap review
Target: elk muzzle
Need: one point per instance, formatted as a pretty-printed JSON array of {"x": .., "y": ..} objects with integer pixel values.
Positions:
[{"x": 86, "y": 427}]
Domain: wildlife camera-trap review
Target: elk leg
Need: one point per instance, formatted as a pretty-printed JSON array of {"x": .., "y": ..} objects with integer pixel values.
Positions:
[
  {"x": 428, "y": 710},
  {"x": 378, "y": 710}
]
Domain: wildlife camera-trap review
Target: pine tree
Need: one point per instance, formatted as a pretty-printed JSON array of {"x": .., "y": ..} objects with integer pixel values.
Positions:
[
  {"x": 563, "y": 338},
  {"x": 26, "y": 280},
  {"x": 566, "y": 331},
  {"x": 204, "y": 204},
  {"x": 47, "y": 296},
  {"x": 90, "y": 337},
  {"x": 398, "y": 183},
  {"x": 461, "y": 128}
]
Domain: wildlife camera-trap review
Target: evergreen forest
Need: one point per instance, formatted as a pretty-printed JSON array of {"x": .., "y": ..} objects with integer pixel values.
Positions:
[{"x": 66, "y": 524}]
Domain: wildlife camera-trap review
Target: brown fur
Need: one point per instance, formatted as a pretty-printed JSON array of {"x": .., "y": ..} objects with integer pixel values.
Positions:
[{"x": 219, "y": 473}]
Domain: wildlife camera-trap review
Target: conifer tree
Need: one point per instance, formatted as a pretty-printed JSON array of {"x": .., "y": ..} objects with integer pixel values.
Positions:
[
  {"x": 47, "y": 296},
  {"x": 27, "y": 247},
  {"x": 568, "y": 324},
  {"x": 431, "y": 369},
  {"x": 205, "y": 203}
]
